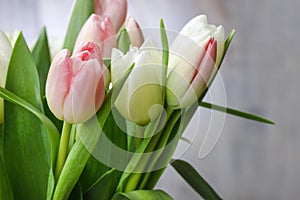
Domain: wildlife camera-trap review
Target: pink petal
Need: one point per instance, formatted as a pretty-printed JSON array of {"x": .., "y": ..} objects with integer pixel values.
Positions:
[
  {"x": 58, "y": 82},
  {"x": 115, "y": 9}
]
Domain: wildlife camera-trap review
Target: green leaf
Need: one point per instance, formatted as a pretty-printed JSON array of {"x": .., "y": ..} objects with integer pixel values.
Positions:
[
  {"x": 226, "y": 45},
  {"x": 236, "y": 112},
  {"x": 123, "y": 41},
  {"x": 191, "y": 176},
  {"x": 41, "y": 56},
  {"x": 91, "y": 173},
  {"x": 105, "y": 187},
  {"x": 50, "y": 127},
  {"x": 94, "y": 168},
  {"x": 143, "y": 195},
  {"x": 27, "y": 147},
  {"x": 81, "y": 11},
  {"x": 165, "y": 56},
  {"x": 5, "y": 189}
]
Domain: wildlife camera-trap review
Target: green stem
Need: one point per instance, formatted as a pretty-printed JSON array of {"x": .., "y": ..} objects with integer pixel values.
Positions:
[
  {"x": 63, "y": 149},
  {"x": 139, "y": 136},
  {"x": 135, "y": 177}
]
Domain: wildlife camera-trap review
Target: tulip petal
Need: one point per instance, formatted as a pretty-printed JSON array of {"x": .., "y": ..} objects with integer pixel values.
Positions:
[
  {"x": 120, "y": 63},
  {"x": 134, "y": 32},
  {"x": 5, "y": 52},
  {"x": 142, "y": 91},
  {"x": 80, "y": 103},
  {"x": 189, "y": 64},
  {"x": 99, "y": 30},
  {"x": 201, "y": 80},
  {"x": 58, "y": 81},
  {"x": 115, "y": 9},
  {"x": 109, "y": 40}
]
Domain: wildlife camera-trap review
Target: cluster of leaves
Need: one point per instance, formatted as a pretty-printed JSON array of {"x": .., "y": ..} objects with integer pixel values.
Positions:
[{"x": 30, "y": 134}]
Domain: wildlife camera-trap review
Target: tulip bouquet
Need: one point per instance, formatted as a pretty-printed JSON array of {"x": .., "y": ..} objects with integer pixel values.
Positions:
[{"x": 101, "y": 119}]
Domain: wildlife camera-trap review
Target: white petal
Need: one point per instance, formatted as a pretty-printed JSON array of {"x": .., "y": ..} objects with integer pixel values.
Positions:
[{"x": 120, "y": 63}]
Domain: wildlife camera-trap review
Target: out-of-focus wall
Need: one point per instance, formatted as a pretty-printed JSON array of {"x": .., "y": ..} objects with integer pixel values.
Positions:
[{"x": 260, "y": 74}]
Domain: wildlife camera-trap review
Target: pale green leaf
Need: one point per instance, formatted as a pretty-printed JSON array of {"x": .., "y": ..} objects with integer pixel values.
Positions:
[
  {"x": 193, "y": 178},
  {"x": 236, "y": 112}
]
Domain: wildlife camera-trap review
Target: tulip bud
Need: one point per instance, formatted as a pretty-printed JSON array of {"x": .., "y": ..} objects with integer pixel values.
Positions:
[
  {"x": 75, "y": 86},
  {"x": 114, "y": 9},
  {"x": 194, "y": 56},
  {"x": 134, "y": 32},
  {"x": 140, "y": 99},
  {"x": 99, "y": 30},
  {"x": 5, "y": 52}
]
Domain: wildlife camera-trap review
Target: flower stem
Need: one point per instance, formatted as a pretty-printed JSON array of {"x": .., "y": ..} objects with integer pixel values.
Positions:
[
  {"x": 135, "y": 177},
  {"x": 63, "y": 149},
  {"x": 139, "y": 136}
]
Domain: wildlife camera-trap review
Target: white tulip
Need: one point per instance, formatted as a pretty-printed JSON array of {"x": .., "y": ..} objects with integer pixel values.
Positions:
[
  {"x": 140, "y": 98},
  {"x": 194, "y": 56}
]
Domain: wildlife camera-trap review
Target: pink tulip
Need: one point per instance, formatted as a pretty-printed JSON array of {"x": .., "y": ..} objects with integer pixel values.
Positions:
[
  {"x": 75, "y": 85},
  {"x": 99, "y": 30},
  {"x": 115, "y": 9},
  {"x": 134, "y": 32}
]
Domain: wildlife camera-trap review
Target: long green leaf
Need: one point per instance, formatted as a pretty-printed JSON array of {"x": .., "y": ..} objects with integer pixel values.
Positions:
[
  {"x": 94, "y": 169},
  {"x": 192, "y": 177},
  {"x": 5, "y": 188},
  {"x": 27, "y": 147},
  {"x": 41, "y": 56},
  {"x": 50, "y": 127},
  {"x": 82, "y": 9},
  {"x": 143, "y": 195},
  {"x": 165, "y": 56},
  {"x": 105, "y": 187},
  {"x": 91, "y": 173},
  {"x": 236, "y": 112}
]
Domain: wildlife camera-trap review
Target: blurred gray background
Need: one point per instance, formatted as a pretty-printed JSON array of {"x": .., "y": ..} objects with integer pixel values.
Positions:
[{"x": 260, "y": 74}]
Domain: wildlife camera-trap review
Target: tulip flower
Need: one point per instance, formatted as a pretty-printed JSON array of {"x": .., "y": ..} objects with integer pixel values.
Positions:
[
  {"x": 114, "y": 9},
  {"x": 99, "y": 30},
  {"x": 194, "y": 56},
  {"x": 76, "y": 85},
  {"x": 140, "y": 98},
  {"x": 134, "y": 32},
  {"x": 5, "y": 52}
]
